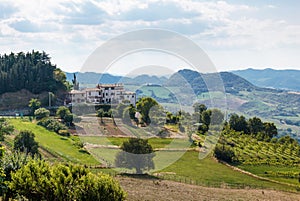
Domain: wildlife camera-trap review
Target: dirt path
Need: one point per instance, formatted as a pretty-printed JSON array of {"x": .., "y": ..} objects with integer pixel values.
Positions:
[{"x": 153, "y": 189}]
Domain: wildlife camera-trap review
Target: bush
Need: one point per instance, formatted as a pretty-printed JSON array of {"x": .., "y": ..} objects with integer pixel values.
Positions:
[
  {"x": 64, "y": 133},
  {"x": 38, "y": 180},
  {"x": 25, "y": 142},
  {"x": 224, "y": 153},
  {"x": 41, "y": 113},
  {"x": 52, "y": 125}
]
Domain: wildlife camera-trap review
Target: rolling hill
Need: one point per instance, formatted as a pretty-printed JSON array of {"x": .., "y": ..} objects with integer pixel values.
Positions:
[{"x": 278, "y": 79}]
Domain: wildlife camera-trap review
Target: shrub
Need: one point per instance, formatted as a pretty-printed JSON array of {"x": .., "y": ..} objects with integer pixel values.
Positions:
[
  {"x": 52, "y": 125},
  {"x": 25, "y": 142},
  {"x": 41, "y": 113},
  {"x": 224, "y": 153},
  {"x": 38, "y": 180},
  {"x": 64, "y": 133}
]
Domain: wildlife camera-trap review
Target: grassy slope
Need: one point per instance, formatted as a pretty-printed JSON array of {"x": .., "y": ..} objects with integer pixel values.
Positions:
[
  {"x": 206, "y": 172},
  {"x": 62, "y": 146},
  {"x": 211, "y": 173}
]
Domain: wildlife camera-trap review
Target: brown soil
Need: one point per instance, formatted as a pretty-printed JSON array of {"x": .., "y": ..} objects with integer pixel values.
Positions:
[
  {"x": 92, "y": 126},
  {"x": 154, "y": 189},
  {"x": 19, "y": 99}
]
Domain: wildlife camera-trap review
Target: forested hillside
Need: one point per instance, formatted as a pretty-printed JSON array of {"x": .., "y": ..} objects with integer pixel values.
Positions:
[{"x": 32, "y": 71}]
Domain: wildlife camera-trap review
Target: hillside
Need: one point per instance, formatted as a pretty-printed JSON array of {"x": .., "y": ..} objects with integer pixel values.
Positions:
[
  {"x": 232, "y": 83},
  {"x": 278, "y": 79}
]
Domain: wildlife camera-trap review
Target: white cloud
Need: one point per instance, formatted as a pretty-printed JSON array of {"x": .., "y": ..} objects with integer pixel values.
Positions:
[{"x": 70, "y": 30}]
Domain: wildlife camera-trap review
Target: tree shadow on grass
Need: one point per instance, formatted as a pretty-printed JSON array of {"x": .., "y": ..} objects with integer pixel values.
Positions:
[{"x": 140, "y": 176}]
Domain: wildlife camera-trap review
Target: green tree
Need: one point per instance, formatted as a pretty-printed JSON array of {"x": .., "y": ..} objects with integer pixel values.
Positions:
[
  {"x": 41, "y": 113},
  {"x": 100, "y": 113},
  {"x": 5, "y": 128},
  {"x": 25, "y": 142},
  {"x": 132, "y": 112},
  {"x": 143, "y": 106},
  {"x": 238, "y": 123},
  {"x": 202, "y": 117},
  {"x": 205, "y": 118},
  {"x": 65, "y": 114},
  {"x": 198, "y": 107},
  {"x": 255, "y": 125},
  {"x": 62, "y": 111},
  {"x": 32, "y": 71},
  {"x": 224, "y": 153},
  {"x": 270, "y": 130},
  {"x": 158, "y": 117},
  {"x": 137, "y": 153},
  {"x": 216, "y": 117},
  {"x": 34, "y": 104}
]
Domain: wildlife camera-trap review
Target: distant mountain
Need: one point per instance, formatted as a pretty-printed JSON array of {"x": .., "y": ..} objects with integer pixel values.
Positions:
[
  {"x": 232, "y": 83},
  {"x": 278, "y": 79},
  {"x": 94, "y": 78}
]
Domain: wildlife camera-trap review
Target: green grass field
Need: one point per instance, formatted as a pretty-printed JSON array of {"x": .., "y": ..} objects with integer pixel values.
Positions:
[
  {"x": 209, "y": 172},
  {"x": 64, "y": 147},
  {"x": 156, "y": 143}
]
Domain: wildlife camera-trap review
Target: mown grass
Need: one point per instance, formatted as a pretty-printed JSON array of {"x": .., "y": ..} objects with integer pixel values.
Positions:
[
  {"x": 65, "y": 147},
  {"x": 156, "y": 143}
]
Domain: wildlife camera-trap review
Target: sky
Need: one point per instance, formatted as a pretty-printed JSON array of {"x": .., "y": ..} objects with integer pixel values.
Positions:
[{"x": 235, "y": 34}]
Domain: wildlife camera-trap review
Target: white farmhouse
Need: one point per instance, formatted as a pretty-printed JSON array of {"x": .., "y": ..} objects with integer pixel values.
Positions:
[{"x": 102, "y": 94}]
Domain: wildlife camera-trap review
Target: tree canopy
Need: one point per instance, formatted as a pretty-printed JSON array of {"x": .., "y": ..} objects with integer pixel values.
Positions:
[
  {"x": 254, "y": 126},
  {"x": 137, "y": 153},
  {"x": 25, "y": 142},
  {"x": 34, "y": 104},
  {"x": 144, "y": 106},
  {"x": 32, "y": 71},
  {"x": 41, "y": 113},
  {"x": 65, "y": 114}
]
